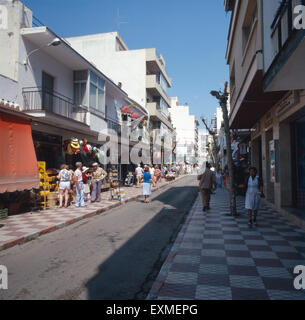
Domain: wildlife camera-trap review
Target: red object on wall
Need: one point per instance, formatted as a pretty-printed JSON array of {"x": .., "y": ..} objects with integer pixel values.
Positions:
[{"x": 18, "y": 162}]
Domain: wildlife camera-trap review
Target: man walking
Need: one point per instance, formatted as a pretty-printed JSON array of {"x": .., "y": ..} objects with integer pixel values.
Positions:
[
  {"x": 139, "y": 172},
  {"x": 207, "y": 182},
  {"x": 98, "y": 175},
  {"x": 79, "y": 186}
]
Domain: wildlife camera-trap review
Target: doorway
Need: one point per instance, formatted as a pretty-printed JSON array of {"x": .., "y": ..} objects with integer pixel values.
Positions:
[{"x": 47, "y": 92}]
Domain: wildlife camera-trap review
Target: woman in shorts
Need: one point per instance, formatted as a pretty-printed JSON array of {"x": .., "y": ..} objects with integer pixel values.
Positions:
[{"x": 64, "y": 185}]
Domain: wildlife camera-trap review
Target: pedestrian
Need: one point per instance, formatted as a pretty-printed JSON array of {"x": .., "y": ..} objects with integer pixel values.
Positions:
[
  {"x": 152, "y": 172},
  {"x": 207, "y": 183},
  {"x": 219, "y": 178},
  {"x": 254, "y": 192},
  {"x": 147, "y": 182},
  {"x": 158, "y": 175},
  {"x": 98, "y": 175},
  {"x": 86, "y": 183},
  {"x": 64, "y": 185},
  {"x": 139, "y": 172},
  {"x": 72, "y": 186},
  {"x": 79, "y": 186}
]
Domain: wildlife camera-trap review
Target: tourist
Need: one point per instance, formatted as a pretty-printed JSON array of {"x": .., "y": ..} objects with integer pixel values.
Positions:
[
  {"x": 147, "y": 181},
  {"x": 158, "y": 175},
  {"x": 98, "y": 175},
  {"x": 79, "y": 186},
  {"x": 254, "y": 192},
  {"x": 64, "y": 185},
  {"x": 72, "y": 184},
  {"x": 86, "y": 183},
  {"x": 152, "y": 172},
  {"x": 207, "y": 183},
  {"x": 219, "y": 178},
  {"x": 139, "y": 172}
]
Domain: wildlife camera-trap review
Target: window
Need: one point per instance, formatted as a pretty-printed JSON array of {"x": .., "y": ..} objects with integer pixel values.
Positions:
[
  {"x": 97, "y": 93},
  {"x": 162, "y": 82},
  {"x": 248, "y": 25},
  {"x": 80, "y": 85}
]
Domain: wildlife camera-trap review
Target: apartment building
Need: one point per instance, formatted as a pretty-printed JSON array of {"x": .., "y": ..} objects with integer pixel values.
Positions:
[
  {"x": 142, "y": 74},
  {"x": 65, "y": 96},
  {"x": 266, "y": 50},
  {"x": 203, "y": 141},
  {"x": 187, "y": 133}
]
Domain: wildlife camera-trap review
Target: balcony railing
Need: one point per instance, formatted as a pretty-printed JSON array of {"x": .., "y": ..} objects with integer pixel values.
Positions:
[
  {"x": 36, "y": 99},
  {"x": 282, "y": 25}
]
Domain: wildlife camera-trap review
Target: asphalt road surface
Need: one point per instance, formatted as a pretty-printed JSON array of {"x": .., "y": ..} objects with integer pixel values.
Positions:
[{"x": 116, "y": 255}]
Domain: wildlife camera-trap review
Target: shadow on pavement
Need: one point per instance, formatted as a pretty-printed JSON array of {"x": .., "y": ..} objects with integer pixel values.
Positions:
[{"x": 131, "y": 270}]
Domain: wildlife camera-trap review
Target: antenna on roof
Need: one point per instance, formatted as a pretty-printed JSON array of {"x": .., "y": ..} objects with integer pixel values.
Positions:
[{"x": 118, "y": 20}]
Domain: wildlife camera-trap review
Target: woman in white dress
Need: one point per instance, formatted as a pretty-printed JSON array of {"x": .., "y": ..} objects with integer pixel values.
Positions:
[{"x": 254, "y": 193}]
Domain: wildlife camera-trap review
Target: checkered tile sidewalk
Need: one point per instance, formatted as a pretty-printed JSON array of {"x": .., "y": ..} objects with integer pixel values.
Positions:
[
  {"x": 219, "y": 257},
  {"x": 25, "y": 227}
]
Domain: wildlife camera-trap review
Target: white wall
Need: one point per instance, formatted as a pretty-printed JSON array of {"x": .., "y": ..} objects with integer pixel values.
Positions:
[
  {"x": 185, "y": 129},
  {"x": 127, "y": 67},
  {"x": 8, "y": 89},
  {"x": 31, "y": 76}
]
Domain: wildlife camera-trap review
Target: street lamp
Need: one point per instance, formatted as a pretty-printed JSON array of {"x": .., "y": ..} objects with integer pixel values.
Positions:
[{"x": 54, "y": 43}]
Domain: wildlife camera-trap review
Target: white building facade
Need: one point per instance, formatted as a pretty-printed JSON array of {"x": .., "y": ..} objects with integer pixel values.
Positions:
[
  {"x": 66, "y": 96},
  {"x": 186, "y": 127},
  {"x": 142, "y": 74}
]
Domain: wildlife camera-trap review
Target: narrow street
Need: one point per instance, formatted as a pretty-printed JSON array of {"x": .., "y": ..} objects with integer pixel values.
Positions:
[{"x": 117, "y": 255}]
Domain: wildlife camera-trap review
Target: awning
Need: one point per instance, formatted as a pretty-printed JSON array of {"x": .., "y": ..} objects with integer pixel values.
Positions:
[{"x": 18, "y": 163}]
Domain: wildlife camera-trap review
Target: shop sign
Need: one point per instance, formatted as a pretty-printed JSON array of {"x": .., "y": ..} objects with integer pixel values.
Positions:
[{"x": 287, "y": 103}]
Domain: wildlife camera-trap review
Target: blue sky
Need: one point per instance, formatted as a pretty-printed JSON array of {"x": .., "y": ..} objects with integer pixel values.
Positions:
[{"x": 191, "y": 35}]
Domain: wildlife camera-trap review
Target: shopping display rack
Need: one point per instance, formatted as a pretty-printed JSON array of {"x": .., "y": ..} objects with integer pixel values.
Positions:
[{"x": 115, "y": 185}]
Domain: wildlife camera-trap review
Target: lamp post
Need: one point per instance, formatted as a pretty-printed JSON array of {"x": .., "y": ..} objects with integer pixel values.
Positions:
[{"x": 54, "y": 43}]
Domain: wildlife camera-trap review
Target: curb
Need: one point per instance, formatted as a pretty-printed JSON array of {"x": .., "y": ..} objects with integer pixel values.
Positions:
[{"x": 35, "y": 235}]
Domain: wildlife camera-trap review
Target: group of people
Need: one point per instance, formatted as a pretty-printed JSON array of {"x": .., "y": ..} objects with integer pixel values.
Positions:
[
  {"x": 152, "y": 175},
  {"x": 210, "y": 180},
  {"x": 80, "y": 182},
  {"x": 155, "y": 172},
  {"x": 158, "y": 173}
]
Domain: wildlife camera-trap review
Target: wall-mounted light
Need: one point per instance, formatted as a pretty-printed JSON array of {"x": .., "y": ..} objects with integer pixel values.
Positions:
[{"x": 54, "y": 43}]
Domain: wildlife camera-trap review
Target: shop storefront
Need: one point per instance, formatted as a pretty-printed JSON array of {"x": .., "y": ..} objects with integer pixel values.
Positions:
[
  {"x": 48, "y": 149},
  {"x": 299, "y": 131}
]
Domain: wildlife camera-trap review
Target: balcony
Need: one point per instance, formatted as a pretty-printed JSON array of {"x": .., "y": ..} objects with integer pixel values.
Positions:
[
  {"x": 156, "y": 64},
  {"x": 157, "y": 114},
  {"x": 153, "y": 85},
  {"x": 287, "y": 69},
  {"x": 43, "y": 104}
]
